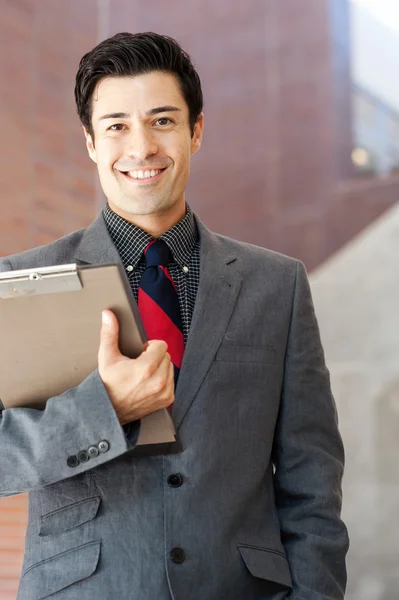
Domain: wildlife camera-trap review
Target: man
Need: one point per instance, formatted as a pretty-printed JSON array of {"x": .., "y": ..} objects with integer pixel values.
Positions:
[{"x": 249, "y": 510}]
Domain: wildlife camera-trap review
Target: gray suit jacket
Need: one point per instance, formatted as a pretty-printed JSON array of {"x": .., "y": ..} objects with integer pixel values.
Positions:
[{"x": 254, "y": 511}]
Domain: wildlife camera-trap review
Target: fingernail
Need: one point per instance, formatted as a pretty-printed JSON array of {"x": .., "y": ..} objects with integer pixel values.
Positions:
[{"x": 106, "y": 318}]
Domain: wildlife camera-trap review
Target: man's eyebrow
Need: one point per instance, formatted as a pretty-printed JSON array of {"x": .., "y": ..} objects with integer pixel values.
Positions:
[
  {"x": 149, "y": 113},
  {"x": 119, "y": 115},
  {"x": 161, "y": 109}
]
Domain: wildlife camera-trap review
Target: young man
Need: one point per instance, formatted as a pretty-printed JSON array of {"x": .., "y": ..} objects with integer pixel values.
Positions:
[{"x": 249, "y": 510}]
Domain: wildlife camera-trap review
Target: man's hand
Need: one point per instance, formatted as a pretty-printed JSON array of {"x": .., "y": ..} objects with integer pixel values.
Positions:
[{"x": 139, "y": 386}]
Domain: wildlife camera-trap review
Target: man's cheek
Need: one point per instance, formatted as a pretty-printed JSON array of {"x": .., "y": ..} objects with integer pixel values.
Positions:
[{"x": 110, "y": 151}]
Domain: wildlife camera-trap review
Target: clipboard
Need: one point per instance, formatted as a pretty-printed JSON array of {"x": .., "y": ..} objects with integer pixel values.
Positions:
[{"x": 50, "y": 321}]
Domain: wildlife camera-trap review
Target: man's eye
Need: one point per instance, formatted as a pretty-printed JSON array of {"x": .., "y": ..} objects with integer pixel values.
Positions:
[
  {"x": 163, "y": 121},
  {"x": 117, "y": 127}
]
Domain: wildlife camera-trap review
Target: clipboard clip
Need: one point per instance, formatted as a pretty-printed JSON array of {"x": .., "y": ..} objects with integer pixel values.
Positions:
[{"x": 43, "y": 280}]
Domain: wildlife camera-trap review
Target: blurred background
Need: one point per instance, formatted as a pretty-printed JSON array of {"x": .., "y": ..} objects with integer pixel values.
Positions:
[{"x": 301, "y": 154}]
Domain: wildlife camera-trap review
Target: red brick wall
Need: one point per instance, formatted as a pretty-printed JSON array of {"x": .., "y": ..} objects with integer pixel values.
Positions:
[
  {"x": 277, "y": 136},
  {"x": 47, "y": 182},
  {"x": 13, "y": 516}
]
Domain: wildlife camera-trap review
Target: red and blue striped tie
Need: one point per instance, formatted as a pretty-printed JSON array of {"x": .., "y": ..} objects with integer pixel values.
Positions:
[{"x": 159, "y": 304}]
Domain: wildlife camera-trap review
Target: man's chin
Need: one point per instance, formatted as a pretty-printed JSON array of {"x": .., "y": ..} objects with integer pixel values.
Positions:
[{"x": 141, "y": 207}]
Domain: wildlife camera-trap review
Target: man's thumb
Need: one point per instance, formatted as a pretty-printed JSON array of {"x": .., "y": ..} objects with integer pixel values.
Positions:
[{"x": 109, "y": 349}]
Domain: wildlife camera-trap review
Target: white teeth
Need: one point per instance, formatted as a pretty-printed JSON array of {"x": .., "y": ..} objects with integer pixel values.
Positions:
[{"x": 143, "y": 174}]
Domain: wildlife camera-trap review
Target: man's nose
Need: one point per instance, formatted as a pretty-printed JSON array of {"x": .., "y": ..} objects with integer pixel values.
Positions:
[{"x": 141, "y": 143}]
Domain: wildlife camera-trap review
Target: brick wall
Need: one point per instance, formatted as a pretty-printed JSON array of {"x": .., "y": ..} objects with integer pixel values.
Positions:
[{"x": 13, "y": 517}]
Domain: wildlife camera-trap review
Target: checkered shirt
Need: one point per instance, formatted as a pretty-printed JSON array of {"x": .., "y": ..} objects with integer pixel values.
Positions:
[{"x": 183, "y": 242}]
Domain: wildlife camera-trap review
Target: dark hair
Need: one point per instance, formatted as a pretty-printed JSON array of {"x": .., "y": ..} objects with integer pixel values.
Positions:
[{"x": 130, "y": 54}]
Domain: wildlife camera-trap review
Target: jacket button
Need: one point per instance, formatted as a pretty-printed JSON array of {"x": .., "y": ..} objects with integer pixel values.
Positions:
[
  {"x": 72, "y": 461},
  {"x": 83, "y": 456},
  {"x": 178, "y": 555},
  {"x": 103, "y": 446},
  {"x": 175, "y": 480},
  {"x": 93, "y": 451}
]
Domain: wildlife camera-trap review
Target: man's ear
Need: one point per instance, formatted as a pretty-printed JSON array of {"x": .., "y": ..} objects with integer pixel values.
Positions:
[
  {"x": 90, "y": 145},
  {"x": 198, "y": 133}
]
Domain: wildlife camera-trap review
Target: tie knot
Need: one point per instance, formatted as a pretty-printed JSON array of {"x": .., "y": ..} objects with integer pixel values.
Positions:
[{"x": 157, "y": 254}]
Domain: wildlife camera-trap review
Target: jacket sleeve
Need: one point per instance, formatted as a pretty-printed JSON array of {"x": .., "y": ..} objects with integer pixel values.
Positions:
[
  {"x": 309, "y": 461},
  {"x": 35, "y": 445}
]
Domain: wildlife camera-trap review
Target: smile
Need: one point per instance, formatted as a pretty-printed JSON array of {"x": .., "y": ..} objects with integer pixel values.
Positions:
[{"x": 143, "y": 176}]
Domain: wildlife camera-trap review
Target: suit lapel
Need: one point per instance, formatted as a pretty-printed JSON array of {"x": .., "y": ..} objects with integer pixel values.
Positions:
[
  {"x": 96, "y": 245},
  {"x": 216, "y": 297}
]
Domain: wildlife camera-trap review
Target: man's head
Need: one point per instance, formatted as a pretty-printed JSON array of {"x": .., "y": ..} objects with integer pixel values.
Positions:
[{"x": 139, "y": 99}]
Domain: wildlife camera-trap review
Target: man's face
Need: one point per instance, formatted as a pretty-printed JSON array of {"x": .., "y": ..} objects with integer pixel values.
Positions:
[{"x": 143, "y": 144}]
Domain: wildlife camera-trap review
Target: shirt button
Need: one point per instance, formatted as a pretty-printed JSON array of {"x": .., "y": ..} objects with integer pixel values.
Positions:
[
  {"x": 83, "y": 456},
  {"x": 93, "y": 451},
  {"x": 103, "y": 446},
  {"x": 175, "y": 480},
  {"x": 129, "y": 268},
  {"x": 185, "y": 269},
  {"x": 178, "y": 556},
  {"x": 72, "y": 461}
]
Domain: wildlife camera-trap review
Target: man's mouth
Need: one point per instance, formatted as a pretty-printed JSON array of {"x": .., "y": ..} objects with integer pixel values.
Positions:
[{"x": 147, "y": 174}]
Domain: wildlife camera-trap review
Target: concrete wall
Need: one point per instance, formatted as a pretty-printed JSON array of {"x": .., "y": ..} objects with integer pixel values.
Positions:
[{"x": 356, "y": 295}]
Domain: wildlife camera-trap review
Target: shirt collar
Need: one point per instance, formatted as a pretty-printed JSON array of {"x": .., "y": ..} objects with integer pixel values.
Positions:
[{"x": 130, "y": 240}]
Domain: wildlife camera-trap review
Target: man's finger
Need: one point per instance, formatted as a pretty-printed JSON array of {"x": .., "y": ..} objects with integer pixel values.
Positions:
[
  {"x": 157, "y": 343},
  {"x": 109, "y": 349},
  {"x": 154, "y": 356},
  {"x": 155, "y": 350}
]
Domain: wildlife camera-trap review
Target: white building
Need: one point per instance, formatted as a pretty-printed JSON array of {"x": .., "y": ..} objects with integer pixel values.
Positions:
[{"x": 375, "y": 68}]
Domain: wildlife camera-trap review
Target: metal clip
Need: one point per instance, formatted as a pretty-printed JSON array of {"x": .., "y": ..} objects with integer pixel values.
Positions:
[{"x": 43, "y": 280}]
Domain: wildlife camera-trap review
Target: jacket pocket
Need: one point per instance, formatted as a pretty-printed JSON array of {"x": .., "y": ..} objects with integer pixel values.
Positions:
[
  {"x": 69, "y": 517},
  {"x": 266, "y": 563},
  {"x": 58, "y": 572},
  {"x": 254, "y": 354}
]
